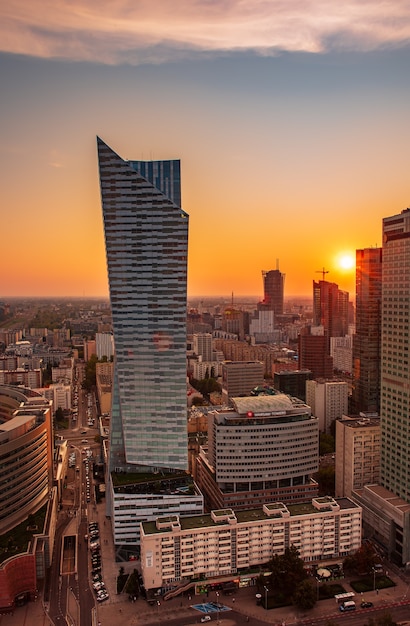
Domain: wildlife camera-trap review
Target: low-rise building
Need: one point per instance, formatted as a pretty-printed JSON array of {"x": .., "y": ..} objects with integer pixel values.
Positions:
[{"x": 227, "y": 543}]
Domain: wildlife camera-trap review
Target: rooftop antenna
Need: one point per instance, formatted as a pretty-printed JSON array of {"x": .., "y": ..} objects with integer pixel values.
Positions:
[
  {"x": 232, "y": 301},
  {"x": 277, "y": 264},
  {"x": 323, "y": 272}
]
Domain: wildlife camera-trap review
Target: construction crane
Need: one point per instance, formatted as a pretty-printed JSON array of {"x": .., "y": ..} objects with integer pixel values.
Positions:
[{"x": 323, "y": 272}]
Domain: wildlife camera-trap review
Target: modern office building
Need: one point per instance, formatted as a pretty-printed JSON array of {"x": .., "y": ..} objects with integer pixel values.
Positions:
[
  {"x": 367, "y": 337},
  {"x": 357, "y": 453},
  {"x": 228, "y": 544},
  {"x": 262, "y": 450},
  {"x": 273, "y": 291},
  {"x": 292, "y": 382},
  {"x": 328, "y": 400},
  {"x": 313, "y": 352},
  {"x": 240, "y": 377},
  {"x": 146, "y": 236}
]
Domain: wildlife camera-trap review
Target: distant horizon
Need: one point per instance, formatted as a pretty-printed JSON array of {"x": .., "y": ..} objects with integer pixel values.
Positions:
[{"x": 256, "y": 297}]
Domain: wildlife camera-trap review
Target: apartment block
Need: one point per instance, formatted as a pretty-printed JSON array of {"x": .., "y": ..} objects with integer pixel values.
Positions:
[
  {"x": 226, "y": 543},
  {"x": 357, "y": 453},
  {"x": 328, "y": 400}
]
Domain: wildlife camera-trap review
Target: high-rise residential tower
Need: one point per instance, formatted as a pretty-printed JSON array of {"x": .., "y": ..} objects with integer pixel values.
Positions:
[
  {"x": 367, "y": 338},
  {"x": 146, "y": 235}
]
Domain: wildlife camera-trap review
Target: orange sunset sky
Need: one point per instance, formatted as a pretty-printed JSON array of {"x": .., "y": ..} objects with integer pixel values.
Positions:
[{"x": 291, "y": 120}]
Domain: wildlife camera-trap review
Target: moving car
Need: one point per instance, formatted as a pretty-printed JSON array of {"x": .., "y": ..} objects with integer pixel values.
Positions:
[{"x": 350, "y": 605}]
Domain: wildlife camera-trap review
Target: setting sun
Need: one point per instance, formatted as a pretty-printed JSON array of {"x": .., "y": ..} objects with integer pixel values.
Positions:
[{"x": 346, "y": 261}]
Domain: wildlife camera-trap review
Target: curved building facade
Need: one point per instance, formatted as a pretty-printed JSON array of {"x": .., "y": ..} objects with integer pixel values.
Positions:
[
  {"x": 265, "y": 449},
  {"x": 25, "y": 454}
]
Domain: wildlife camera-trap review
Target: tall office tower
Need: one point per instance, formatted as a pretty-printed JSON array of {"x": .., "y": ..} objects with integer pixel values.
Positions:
[
  {"x": 367, "y": 339},
  {"x": 146, "y": 235},
  {"x": 395, "y": 352},
  {"x": 273, "y": 288},
  {"x": 330, "y": 308}
]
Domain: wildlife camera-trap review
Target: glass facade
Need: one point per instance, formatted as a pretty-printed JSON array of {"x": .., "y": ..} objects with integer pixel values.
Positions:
[
  {"x": 395, "y": 351},
  {"x": 366, "y": 341},
  {"x": 146, "y": 236}
]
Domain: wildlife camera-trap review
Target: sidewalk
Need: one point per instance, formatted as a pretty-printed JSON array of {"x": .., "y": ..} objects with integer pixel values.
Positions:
[
  {"x": 120, "y": 611},
  {"x": 244, "y": 602}
]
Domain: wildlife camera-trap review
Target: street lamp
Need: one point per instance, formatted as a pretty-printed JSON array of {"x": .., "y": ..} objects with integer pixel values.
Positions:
[
  {"x": 266, "y": 597},
  {"x": 217, "y": 607}
]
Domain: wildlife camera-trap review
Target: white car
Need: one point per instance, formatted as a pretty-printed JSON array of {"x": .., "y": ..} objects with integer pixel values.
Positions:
[{"x": 206, "y": 618}]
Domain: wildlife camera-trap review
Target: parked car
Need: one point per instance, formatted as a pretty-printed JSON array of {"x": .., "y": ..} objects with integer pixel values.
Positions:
[
  {"x": 206, "y": 618},
  {"x": 366, "y": 605}
]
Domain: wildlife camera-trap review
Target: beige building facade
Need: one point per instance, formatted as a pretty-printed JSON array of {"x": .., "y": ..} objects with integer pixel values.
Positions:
[
  {"x": 357, "y": 454},
  {"x": 226, "y": 543}
]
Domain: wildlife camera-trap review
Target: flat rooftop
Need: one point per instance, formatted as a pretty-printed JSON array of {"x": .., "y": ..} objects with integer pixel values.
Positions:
[{"x": 251, "y": 515}]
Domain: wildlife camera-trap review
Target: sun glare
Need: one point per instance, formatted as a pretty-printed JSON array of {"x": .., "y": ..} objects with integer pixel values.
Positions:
[{"x": 346, "y": 261}]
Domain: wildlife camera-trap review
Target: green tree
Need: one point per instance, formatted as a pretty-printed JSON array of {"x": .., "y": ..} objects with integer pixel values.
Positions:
[
  {"x": 326, "y": 444},
  {"x": 90, "y": 377},
  {"x": 362, "y": 560},
  {"x": 326, "y": 480},
  {"x": 59, "y": 414},
  {"x": 305, "y": 595},
  {"x": 287, "y": 573}
]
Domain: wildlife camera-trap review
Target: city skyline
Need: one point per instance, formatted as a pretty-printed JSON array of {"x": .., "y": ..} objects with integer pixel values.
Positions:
[{"x": 290, "y": 124}]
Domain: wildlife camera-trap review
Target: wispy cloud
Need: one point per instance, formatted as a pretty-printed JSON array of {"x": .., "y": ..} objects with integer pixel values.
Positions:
[{"x": 138, "y": 31}]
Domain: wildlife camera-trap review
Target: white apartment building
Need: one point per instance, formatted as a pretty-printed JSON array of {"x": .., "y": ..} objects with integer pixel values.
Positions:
[
  {"x": 227, "y": 543},
  {"x": 341, "y": 349},
  {"x": 262, "y": 327},
  {"x": 62, "y": 373},
  {"x": 104, "y": 345},
  {"x": 357, "y": 454},
  {"x": 201, "y": 368},
  {"x": 61, "y": 396},
  {"x": 328, "y": 400},
  {"x": 139, "y": 500},
  {"x": 202, "y": 345}
]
